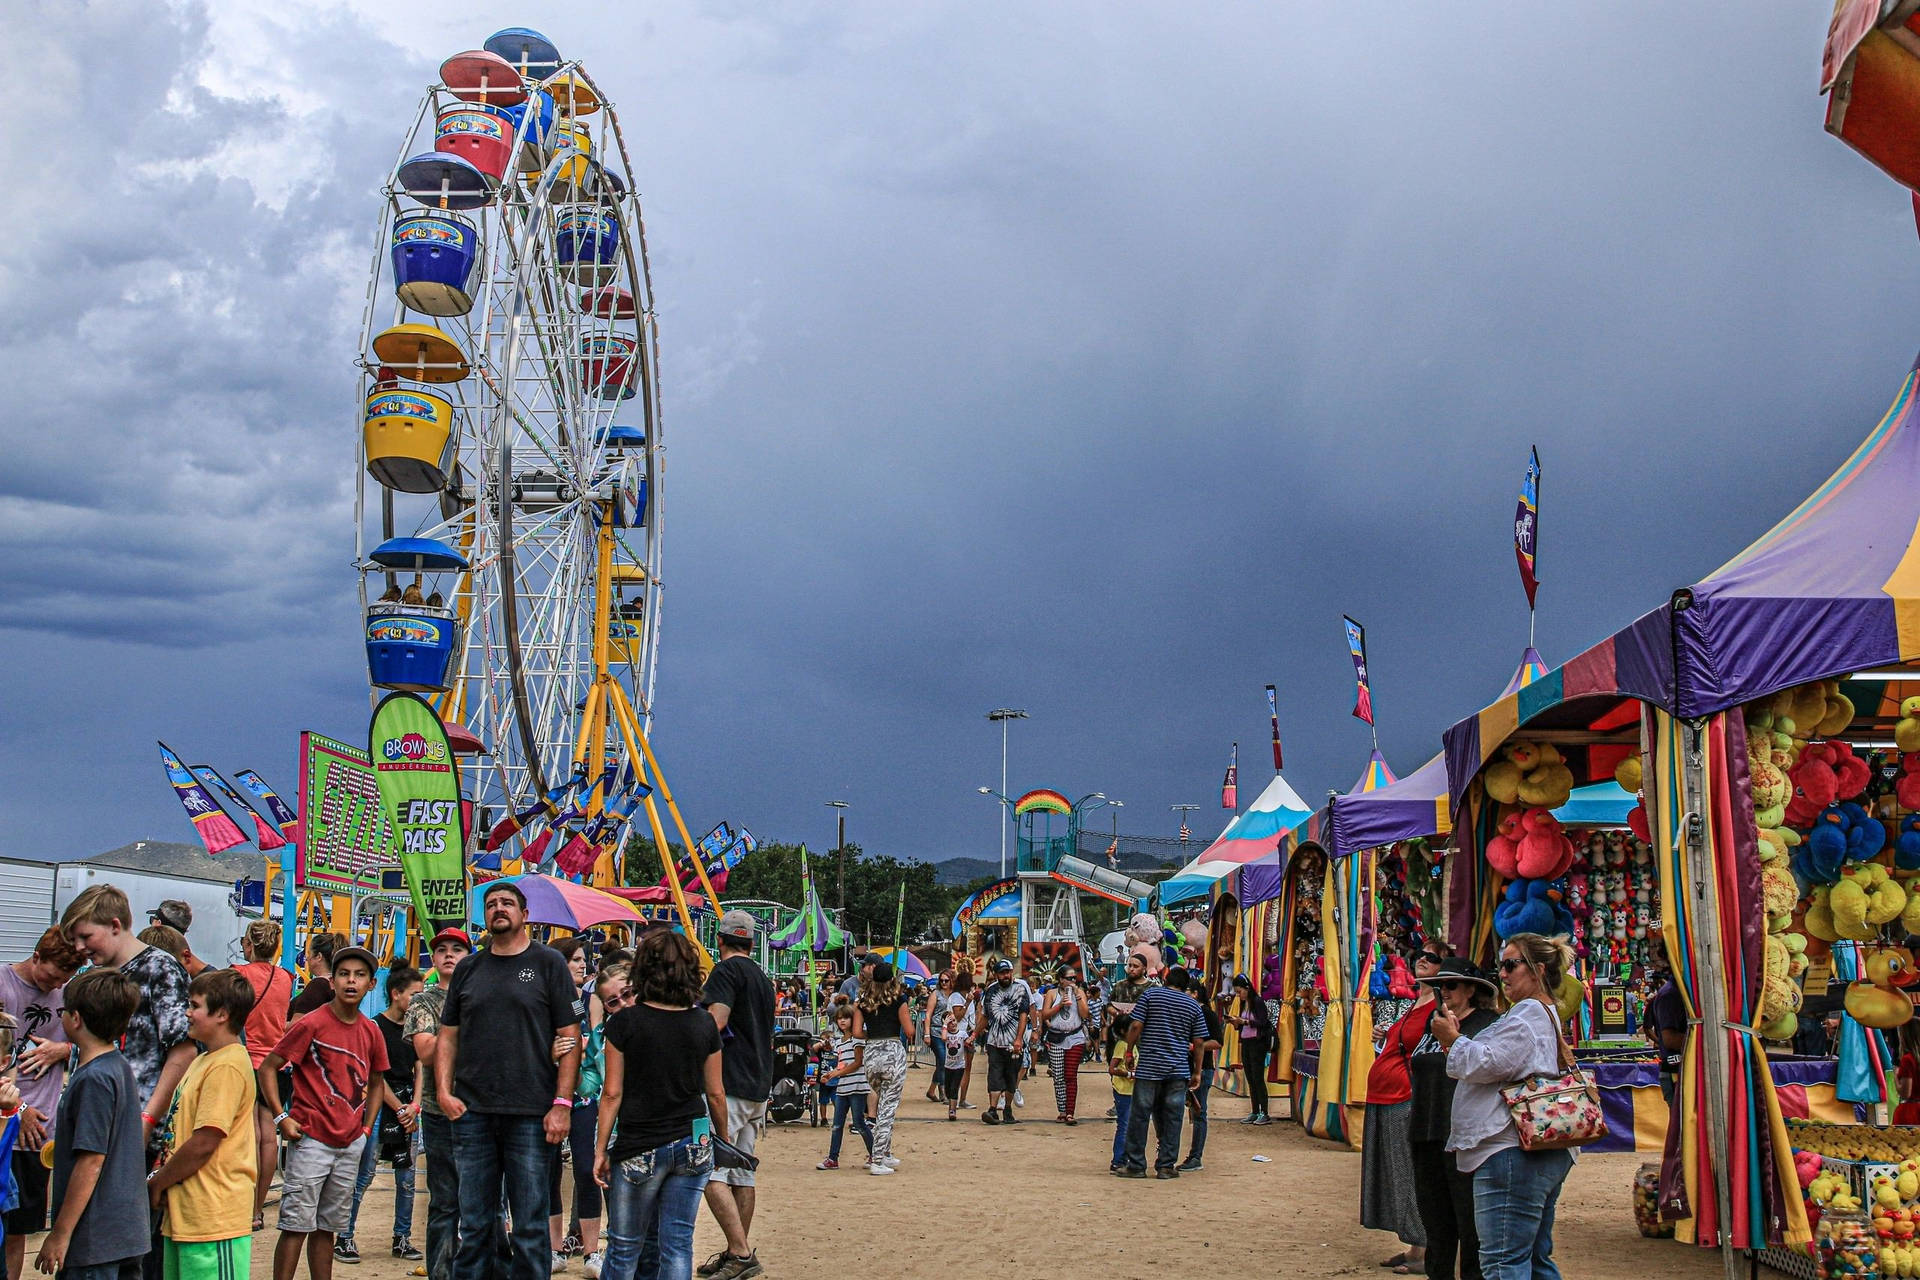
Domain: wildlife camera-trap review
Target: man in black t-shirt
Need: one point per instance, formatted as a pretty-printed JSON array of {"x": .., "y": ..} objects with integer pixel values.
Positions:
[
  {"x": 507, "y": 1099},
  {"x": 740, "y": 998}
]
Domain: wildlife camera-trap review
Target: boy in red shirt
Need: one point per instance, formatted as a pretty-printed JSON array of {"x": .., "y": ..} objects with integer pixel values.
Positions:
[{"x": 337, "y": 1055}]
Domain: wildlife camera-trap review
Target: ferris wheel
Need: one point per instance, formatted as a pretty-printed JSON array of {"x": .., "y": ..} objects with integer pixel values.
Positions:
[{"x": 510, "y": 543}]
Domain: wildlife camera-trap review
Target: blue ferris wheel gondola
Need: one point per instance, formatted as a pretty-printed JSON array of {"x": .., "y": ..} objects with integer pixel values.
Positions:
[
  {"x": 440, "y": 179},
  {"x": 421, "y": 555},
  {"x": 525, "y": 50}
]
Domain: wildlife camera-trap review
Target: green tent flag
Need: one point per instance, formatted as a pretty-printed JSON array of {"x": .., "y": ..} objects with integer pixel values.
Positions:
[{"x": 419, "y": 783}]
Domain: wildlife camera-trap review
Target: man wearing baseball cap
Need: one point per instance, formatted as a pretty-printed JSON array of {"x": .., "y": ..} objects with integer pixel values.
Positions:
[
  {"x": 740, "y": 998},
  {"x": 422, "y": 1028}
]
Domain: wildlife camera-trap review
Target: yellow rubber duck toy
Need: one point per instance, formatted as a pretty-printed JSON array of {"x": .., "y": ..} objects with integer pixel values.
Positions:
[{"x": 1875, "y": 999}]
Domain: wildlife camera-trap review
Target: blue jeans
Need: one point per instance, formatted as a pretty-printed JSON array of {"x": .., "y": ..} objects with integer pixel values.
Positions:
[
  {"x": 1122, "y": 1110},
  {"x": 1200, "y": 1117},
  {"x": 652, "y": 1203},
  {"x": 843, "y": 1105},
  {"x": 1163, "y": 1102},
  {"x": 492, "y": 1152},
  {"x": 402, "y": 1185},
  {"x": 443, "y": 1195},
  {"x": 1514, "y": 1195}
]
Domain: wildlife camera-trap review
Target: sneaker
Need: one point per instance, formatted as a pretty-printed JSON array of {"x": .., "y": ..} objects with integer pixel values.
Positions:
[
  {"x": 878, "y": 1170},
  {"x": 1263, "y": 1119},
  {"x": 1190, "y": 1165},
  {"x": 711, "y": 1267},
  {"x": 737, "y": 1268},
  {"x": 828, "y": 1163},
  {"x": 592, "y": 1263},
  {"x": 344, "y": 1251},
  {"x": 1019, "y": 1098},
  {"x": 969, "y": 1106},
  {"x": 1007, "y": 1117},
  {"x": 559, "y": 1263},
  {"x": 403, "y": 1248},
  {"x": 990, "y": 1116},
  {"x": 1124, "y": 1172},
  {"x": 892, "y": 1162},
  {"x": 1164, "y": 1174}
]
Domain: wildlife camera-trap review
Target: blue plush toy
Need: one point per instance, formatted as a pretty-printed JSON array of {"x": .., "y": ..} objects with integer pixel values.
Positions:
[
  {"x": 1865, "y": 835},
  {"x": 1526, "y": 908},
  {"x": 1906, "y": 850}
]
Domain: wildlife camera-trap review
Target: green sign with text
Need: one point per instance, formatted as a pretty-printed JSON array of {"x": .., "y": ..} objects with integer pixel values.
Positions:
[{"x": 419, "y": 785}]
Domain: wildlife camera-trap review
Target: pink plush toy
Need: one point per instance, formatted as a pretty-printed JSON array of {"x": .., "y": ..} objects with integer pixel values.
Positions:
[
  {"x": 1545, "y": 853},
  {"x": 1503, "y": 850}
]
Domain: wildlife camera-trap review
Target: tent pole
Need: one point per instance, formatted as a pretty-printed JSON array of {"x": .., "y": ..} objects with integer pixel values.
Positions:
[{"x": 1713, "y": 999}]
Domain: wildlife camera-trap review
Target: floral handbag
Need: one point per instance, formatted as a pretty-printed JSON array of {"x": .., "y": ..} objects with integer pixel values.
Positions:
[{"x": 1556, "y": 1111}]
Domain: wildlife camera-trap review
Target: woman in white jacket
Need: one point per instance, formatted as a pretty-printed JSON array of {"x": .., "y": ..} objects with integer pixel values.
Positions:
[{"x": 1514, "y": 1191}]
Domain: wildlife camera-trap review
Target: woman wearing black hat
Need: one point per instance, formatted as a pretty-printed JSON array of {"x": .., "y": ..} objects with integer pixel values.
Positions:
[{"x": 1444, "y": 1194}]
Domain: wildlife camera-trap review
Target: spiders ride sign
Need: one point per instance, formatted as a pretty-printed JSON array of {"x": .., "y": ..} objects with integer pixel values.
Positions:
[{"x": 419, "y": 785}]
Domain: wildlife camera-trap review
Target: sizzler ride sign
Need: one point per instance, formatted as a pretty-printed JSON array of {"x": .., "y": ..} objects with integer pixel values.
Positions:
[{"x": 420, "y": 795}]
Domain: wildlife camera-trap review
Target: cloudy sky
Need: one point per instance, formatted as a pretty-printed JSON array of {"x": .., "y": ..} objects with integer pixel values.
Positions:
[{"x": 1091, "y": 358}]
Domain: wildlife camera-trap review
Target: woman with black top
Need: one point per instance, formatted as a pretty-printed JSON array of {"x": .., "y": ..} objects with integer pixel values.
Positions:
[
  {"x": 1256, "y": 1042},
  {"x": 1443, "y": 1193},
  {"x": 663, "y": 1086},
  {"x": 880, "y": 1020}
]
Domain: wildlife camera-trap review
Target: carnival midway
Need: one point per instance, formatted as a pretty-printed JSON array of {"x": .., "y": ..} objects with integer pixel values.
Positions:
[{"x": 1620, "y": 980}]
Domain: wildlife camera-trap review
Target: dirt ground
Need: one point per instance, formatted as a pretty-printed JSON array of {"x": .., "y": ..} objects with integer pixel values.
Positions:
[{"x": 1036, "y": 1199}]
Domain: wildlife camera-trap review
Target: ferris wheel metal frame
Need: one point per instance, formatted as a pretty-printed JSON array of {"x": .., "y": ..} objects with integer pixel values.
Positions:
[{"x": 556, "y": 510}]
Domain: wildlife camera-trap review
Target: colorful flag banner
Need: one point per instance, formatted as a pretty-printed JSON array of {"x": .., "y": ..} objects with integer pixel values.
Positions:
[
  {"x": 813, "y": 927},
  {"x": 1230, "y": 789},
  {"x": 216, "y": 830},
  {"x": 285, "y": 818},
  {"x": 419, "y": 783},
  {"x": 1185, "y": 835},
  {"x": 1526, "y": 526},
  {"x": 576, "y": 856},
  {"x": 899, "y": 918},
  {"x": 269, "y": 837},
  {"x": 1357, "y": 646},
  {"x": 1273, "y": 712}
]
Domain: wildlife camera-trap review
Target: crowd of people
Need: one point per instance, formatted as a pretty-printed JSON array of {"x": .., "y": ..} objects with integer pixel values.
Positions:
[
  {"x": 552, "y": 1092},
  {"x": 172, "y": 1092}
]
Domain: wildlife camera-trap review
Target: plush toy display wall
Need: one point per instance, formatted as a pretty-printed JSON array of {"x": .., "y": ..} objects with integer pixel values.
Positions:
[
  {"x": 1309, "y": 870},
  {"x": 1613, "y": 892}
]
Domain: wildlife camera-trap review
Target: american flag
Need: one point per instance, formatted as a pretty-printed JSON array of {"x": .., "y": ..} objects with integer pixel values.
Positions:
[{"x": 1185, "y": 835}]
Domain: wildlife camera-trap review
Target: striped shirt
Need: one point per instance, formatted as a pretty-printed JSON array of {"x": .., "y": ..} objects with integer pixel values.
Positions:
[
  {"x": 1169, "y": 1022},
  {"x": 844, "y": 1049}
]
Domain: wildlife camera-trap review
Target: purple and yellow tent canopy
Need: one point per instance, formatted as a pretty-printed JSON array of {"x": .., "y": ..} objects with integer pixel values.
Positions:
[{"x": 1414, "y": 806}]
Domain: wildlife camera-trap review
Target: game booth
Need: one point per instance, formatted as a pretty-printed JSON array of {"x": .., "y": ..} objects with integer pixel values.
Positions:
[{"x": 1764, "y": 713}]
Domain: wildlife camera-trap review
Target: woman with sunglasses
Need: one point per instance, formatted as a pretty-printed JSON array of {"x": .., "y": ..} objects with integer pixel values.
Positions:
[
  {"x": 1387, "y": 1200},
  {"x": 1445, "y": 1194},
  {"x": 1515, "y": 1192}
]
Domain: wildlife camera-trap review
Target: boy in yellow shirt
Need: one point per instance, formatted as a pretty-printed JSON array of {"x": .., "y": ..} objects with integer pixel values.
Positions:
[{"x": 207, "y": 1182}]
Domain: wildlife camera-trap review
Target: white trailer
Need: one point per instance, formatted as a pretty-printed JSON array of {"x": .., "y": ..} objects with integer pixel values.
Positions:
[{"x": 36, "y": 891}]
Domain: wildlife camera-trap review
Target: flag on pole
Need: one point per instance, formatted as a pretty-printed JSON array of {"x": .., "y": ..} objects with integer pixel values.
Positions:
[
  {"x": 1526, "y": 526},
  {"x": 1273, "y": 711},
  {"x": 269, "y": 836},
  {"x": 1357, "y": 646},
  {"x": 900, "y": 920},
  {"x": 210, "y": 822},
  {"x": 1230, "y": 788},
  {"x": 277, "y": 809},
  {"x": 1185, "y": 835},
  {"x": 812, "y": 926}
]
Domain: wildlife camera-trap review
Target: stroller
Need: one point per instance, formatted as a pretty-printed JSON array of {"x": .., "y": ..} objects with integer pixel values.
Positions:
[{"x": 793, "y": 1095}]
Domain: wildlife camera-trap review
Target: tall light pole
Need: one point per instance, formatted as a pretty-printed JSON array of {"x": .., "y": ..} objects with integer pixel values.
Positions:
[
  {"x": 1006, "y": 819},
  {"x": 840, "y": 852},
  {"x": 1003, "y": 715}
]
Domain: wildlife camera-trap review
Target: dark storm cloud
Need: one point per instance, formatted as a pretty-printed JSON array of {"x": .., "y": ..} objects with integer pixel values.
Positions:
[{"x": 1087, "y": 358}]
